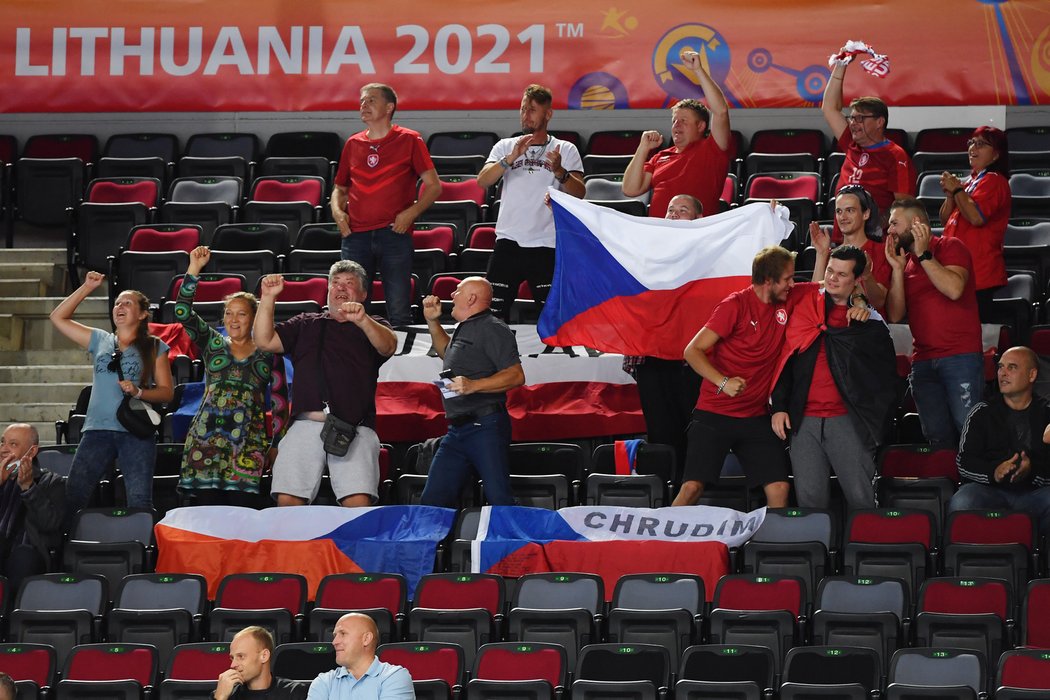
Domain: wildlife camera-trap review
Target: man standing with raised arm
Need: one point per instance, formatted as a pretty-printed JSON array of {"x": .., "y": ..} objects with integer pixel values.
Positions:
[{"x": 698, "y": 161}]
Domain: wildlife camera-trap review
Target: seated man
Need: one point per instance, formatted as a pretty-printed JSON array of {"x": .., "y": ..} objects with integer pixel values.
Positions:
[
  {"x": 32, "y": 506},
  {"x": 249, "y": 674},
  {"x": 360, "y": 674},
  {"x": 1004, "y": 460}
]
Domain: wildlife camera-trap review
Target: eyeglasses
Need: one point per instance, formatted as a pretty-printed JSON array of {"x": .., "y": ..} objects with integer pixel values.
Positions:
[
  {"x": 977, "y": 142},
  {"x": 114, "y": 361},
  {"x": 859, "y": 118}
]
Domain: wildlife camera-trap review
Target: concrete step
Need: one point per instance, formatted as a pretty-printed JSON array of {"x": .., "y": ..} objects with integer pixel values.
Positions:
[
  {"x": 55, "y": 256},
  {"x": 44, "y": 357},
  {"x": 46, "y": 374},
  {"x": 28, "y": 287},
  {"x": 50, "y": 273},
  {"x": 34, "y": 412},
  {"x": 56, "y": 392},
  {"x": 37, "y": 332}
]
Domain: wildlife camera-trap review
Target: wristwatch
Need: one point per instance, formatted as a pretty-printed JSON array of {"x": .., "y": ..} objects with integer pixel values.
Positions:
[{"x": 927, "y": 255}]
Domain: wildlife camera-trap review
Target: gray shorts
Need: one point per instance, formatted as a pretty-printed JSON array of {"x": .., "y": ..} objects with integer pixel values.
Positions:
[{"x": 301, "y": 461}]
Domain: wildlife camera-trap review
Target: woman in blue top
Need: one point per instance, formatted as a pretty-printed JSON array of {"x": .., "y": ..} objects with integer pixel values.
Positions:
[
  {"x": 144, "y": 361},
  {"x": 227, "y": 448}
]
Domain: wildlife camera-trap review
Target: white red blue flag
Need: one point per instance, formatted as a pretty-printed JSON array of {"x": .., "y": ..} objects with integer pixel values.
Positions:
[
  {"x": 310, "y": 540},
  {"x": 645, "y": 286}
]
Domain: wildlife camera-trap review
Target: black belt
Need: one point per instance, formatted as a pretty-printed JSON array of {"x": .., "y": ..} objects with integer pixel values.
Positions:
[{"x": 462, "y": 420}]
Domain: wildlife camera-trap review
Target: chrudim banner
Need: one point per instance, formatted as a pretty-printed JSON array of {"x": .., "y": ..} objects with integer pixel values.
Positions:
[{"x": 263, "y": 55}]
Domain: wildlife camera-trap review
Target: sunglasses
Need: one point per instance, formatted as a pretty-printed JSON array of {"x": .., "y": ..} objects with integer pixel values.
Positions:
[{"x": 114, "y": 361}]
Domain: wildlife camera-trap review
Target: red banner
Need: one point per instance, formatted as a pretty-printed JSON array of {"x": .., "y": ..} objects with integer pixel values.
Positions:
[{"x": 271, "y": 55}]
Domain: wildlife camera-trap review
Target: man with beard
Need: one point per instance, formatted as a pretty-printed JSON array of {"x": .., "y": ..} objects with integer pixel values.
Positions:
[
  {"x": 836, "y": 388},
  {"x": 1004, "y": 461},
  {"x": 698, "y": 162},
  {"x": 933, "y": 285},
  {"x": 736, "y": 353},
  {"x": 528, "y": 164},
  {"x": 857, "y": 217}
]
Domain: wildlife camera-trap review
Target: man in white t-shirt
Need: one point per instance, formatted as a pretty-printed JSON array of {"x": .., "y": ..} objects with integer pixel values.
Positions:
[{"x": 528, "y": 164}]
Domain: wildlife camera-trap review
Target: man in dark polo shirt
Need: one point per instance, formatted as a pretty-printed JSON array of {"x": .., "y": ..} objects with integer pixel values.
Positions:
[
  {"x": 250, "y": 676},
  {"x": 481, "y": 364},
  {"x": 336, "y": 356}
]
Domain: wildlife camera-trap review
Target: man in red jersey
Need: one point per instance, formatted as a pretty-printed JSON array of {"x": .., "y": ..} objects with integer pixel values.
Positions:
[
  {"x": 698, "y": 162},
  {"x": 933, "y": 285},
  {"x": 857, "y": 217},
  {"x": 374, "y": 198},
  {"x": 872, "y": 160},
  {"x": 736, "y": 352}
]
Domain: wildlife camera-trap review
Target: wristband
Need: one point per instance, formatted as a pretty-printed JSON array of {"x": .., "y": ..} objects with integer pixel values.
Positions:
[
  {"x": 722, "y": 385},
  {"x": 563, "y": 178},
  {"x": 503, "y": 163},
  {"x": 139, "y": 394},
  {"x": 957, "y": 190}
]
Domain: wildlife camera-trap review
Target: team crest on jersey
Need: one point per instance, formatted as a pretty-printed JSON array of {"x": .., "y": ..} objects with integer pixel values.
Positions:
[
  {"x": 863, "y": 160},
  {"x": 782, "y": 316},
  {"x": 373, "y": 160}
]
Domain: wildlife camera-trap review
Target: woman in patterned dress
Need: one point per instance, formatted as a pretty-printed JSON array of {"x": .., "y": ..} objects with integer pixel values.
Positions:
[{"x": 227, "y": 448}]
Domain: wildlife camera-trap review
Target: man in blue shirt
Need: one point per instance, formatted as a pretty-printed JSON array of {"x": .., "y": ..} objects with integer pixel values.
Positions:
[{"x": 360, "y": 674}]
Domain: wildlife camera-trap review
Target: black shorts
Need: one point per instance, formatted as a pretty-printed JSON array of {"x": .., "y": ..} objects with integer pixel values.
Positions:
[{"x": 752, "y": 440}]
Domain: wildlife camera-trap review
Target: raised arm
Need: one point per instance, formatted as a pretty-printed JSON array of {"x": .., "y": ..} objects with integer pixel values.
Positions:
[
  {"x": 196, "y": 327},
  {"x": 949, "y": 280},
  {"x": 381, "y": 337},
  {"x": 896, "y": 308},
  {"x": 263, "y": 331},
  {"x": 636, "y": 181},
  {"x": 831, "y": 107},
  {"x": 716, "y": 101},
  {"x": 432, "y": 315},
  {"x": 62, "y": 316}
]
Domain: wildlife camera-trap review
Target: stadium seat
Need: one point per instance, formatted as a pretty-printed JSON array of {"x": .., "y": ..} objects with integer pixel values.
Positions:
[
  {"x": 460, "y": 608},
  {"x": 164, "y": 610},
  {"x": 112, "y": 542},
  {"x": 427, "y": 662},
  {"x": 759, "y": 610},
  {"x": 664, "y": 609},
  {"x": 811, "y": 141},
  {"x": 559, "y": 608},
  {"x": 272, "y": 600},
  {"x": 305, "y": 144},
  {"x": 253, "y": 265},
  {"x": 380, "y": 596},
  {"x": 82, "y": 600},
  {"x": 143, "y": 145},
  {"x": 939, "y": 161},
  {"x": 893, "y": 543},
  {"x": 220, "y": 154},
  {"x": 303, "y": 661},
  {"x": 31, "y": 666},
  {"x": 313, "y": 166},
  {"x": 861, "y": 611},
  {"x": 252, "y": 236},
  {"x": 964, "y": 613},
  {"x": 192, "y": 670},
  {"x": 105, "y": 669},
  {"x": 97, "y": 231},
  {"x": 792, "y": 542},
  {"x": 460, "y": 152},
  {"x": 834, "y": 665},
  {"x": 943, "y": 139},
  {"x": 1023, "y": 669},
  {"x": 990, "y": 543},
  {"x": 749, "y": 671},
  {"x": 511, "y": 661},
  {"x": 648, "y": 663},
  {"x": 935, "y": 666}
]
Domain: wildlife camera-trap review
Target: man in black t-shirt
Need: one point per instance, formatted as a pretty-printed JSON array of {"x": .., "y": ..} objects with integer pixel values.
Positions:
[{"x": 249, "y": 676}]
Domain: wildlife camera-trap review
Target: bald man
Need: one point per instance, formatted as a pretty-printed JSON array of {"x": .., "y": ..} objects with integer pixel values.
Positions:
[
  {"x": 481, "y": 364},
  {"x": 32, "y": 506},
  {"x": 361, "y": 675},
  {"x": 249, "y": 675}
]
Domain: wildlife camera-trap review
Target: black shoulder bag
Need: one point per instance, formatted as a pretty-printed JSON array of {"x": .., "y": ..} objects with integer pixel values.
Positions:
[{"x": 138, "y": 416}]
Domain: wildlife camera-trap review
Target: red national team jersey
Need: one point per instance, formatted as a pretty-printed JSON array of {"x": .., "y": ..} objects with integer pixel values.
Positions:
[
  {"x": 881, "y": 169},
  {"x": 939, "y": 326},
  {"x": 751, "y": 334},
  {"x": 380, "y": 176},
  {"x": 699, "y": 170},
  {"x": 991, "y": 193}
]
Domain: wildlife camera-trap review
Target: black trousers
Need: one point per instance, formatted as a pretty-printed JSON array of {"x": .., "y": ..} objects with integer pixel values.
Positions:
[
  {"x": 510, "y": 265},
  {"x": 668, "y": 390}
]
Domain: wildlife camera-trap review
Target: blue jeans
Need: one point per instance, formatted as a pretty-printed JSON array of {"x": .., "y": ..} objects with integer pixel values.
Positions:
[
  {"x": 394, "y": 251},
  {"x": 96, "y": 452},
  {"x": 484, "y": 444},
  {"x": 945, "y": 389},
  {"x": 1036, "y": 502}
]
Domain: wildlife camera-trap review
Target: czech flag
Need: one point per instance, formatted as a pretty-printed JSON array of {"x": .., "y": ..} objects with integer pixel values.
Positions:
[
  {"x": 644, "y": 286},
  {"x": 310, "y": 540},
  {"x": 611, "y": 541}
]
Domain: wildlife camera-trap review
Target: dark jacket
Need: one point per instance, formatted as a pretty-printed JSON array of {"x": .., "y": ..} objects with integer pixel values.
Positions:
[
  {"x": 987, "y": 441},
  {"x": 863, "y": 364},
  {"x": 45, "y": 508}
]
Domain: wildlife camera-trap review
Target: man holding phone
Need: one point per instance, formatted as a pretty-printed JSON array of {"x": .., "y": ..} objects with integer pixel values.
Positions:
[
  {"x": 480, "y": 363},
  {"x": 1004, "y": 458},
  {"x": 32, "y": 505}
]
